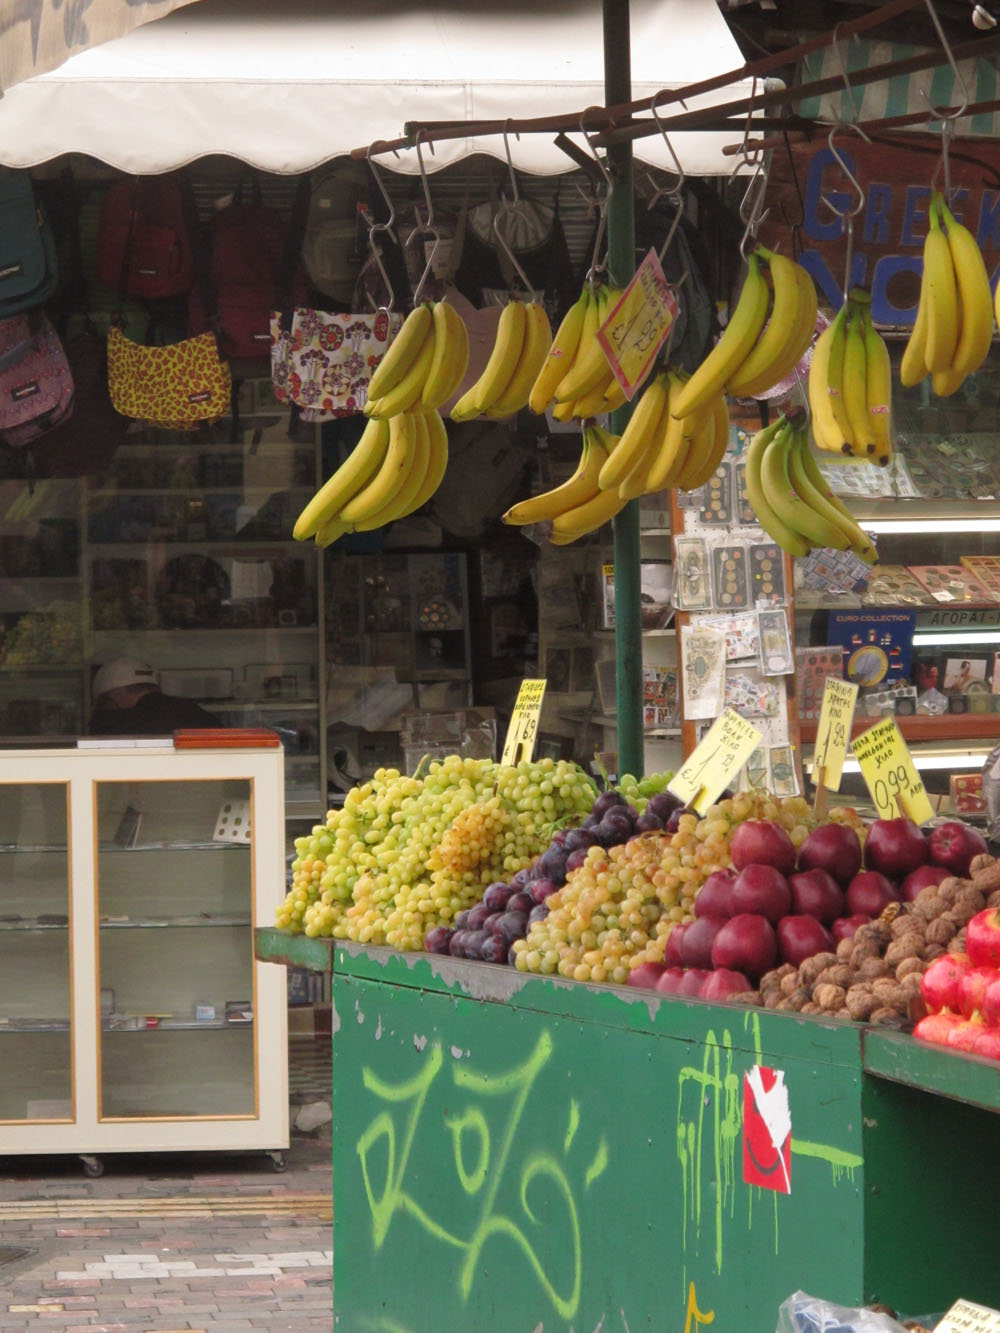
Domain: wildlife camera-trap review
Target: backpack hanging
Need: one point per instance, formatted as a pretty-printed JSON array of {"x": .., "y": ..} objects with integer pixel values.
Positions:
[
  {"x": 144, "y": 242},
  {"x": 330, "y": 249},
  {"x": 36, "y": 385},
  {"x": 28, "y": 268}
]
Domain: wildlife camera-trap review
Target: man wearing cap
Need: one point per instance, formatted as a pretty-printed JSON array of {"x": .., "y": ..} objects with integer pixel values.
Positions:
[{"x": 128, "y": 701}]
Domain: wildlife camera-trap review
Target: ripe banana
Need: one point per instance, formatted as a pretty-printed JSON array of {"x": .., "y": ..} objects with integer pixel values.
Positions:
[
  {"x": 354, "y": 473},
  {"x": 437, "y": 463},
  {"x": 328, "y": 532},
  {"x": 792, "y": 509},
  {"x": 581, "y": 486},
  {"x": 859, "y": 540},
  {"x": 590, "y": 366},
  {"x": 451, "y": 356},
  {"x": 712, "y": 449},
  {"x": 391, "y": 475},
  {"x": 790, "y": 540},
  {"x": 878, "y": 390},
  {"x": 942, "y": 296},
  {"x": 854, "y": 388},
  {"x": 406, "y": 392},
  {"x": 586, "y": 517},
  {"x": 829, "y": 425},
  {"x": 733, "y": 347},
  {"x": 534, "y": 350},
  {"x": 675, "y": 441},
  {"x": 402, "y": 351},
  {"x": 639, "y": 438},
  {"x": 975, "y": 300},
  {"x": 503, "y": 358},
  {"x": 561, "y": 354},
  {"x": 913, "y": 366},
  {"x": 759, "y": 371},
  {"x": 401, "y": 501}
]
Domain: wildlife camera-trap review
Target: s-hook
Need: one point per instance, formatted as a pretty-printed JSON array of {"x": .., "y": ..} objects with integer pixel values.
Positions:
[
  {"x": 382, "y": 227},
  {"x": 425, "y": 226}
]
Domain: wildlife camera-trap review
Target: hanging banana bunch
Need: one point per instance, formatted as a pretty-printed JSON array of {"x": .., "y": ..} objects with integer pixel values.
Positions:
[
  {"x": 954, "y": 326},
  {"x": 521, "y": 345},
  {"x": 424, "y": 364},
  {"x": 579, "y": 505},
  {"x": 850, "y": 386},
  {"x": 575, "y": 378},
  {"x": 791, "y": 499}
]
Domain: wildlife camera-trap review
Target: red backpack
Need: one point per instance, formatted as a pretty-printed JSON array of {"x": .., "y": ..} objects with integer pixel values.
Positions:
[{"x": 143, "y": 238}]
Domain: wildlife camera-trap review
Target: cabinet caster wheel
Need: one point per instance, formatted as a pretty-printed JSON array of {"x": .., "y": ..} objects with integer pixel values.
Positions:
[
  {"x": 92, "y": 1166},
  {"x": 278, "y": 1162}
]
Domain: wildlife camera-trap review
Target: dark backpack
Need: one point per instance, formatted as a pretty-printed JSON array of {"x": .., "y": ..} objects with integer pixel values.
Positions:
[
  {"x": 143, "y": 241},
  {"x": 28, "y": 270}
]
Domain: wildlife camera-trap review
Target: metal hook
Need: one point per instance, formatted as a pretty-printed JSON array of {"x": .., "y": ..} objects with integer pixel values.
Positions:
[
  {"x": 847, "y": 215},
  {"x": 377, "y": 227},
  {"x": 673, "y": 191},
  {"x": 509, "y": 208},
  {"x": 947, "y": 113},
  {"x": 601, "y": 164},
  {"x": 424, "y": 227},
  {"x": 749, "y": 157},
  {"x": 848, "y": 86},
  {"x": 598, "y": 202},
  {"x": 752, "y": 211}
]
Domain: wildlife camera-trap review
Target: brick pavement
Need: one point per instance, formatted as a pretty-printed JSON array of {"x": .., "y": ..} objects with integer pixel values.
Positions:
[{"x": 167, "y": 1243}]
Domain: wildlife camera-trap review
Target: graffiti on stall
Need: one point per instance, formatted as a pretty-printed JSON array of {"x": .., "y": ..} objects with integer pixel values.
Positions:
[
  {"x": 694, "y": 1317},
  {"x": 484, "y": 1142}
]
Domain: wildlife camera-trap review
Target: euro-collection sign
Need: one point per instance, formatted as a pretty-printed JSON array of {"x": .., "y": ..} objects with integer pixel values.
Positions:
[
  {"x": 522, "y": 733},
  {"x": 638, "y": 324},
  {"x": 890, "y": 774},
  {"x": 711, "y": 766},
  {"x": 833, "y": 732}
]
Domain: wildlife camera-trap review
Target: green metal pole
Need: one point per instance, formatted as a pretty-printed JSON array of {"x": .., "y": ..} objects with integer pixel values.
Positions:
[{"x": 621, "y": 265}]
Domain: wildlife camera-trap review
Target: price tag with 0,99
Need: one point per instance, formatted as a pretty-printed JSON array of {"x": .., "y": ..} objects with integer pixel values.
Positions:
[
  {"x": 890, "y": 773},
  {"x": 523, "y": 730},
  {"x": 707, "y": 771}
]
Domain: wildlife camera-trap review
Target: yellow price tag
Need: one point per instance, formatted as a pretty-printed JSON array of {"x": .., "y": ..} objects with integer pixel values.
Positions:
[
  {"x": 968, "y": 1317},
  {"x": 523, "y": 730},
  {"x": 711, "y": 766},
  {"x": 834, "y": 730},
  {"x": 638, "y": 325},
  {"x": 890, "y": 774}
]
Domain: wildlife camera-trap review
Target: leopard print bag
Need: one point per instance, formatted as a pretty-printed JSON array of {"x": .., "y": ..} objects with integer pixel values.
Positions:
[{"x": 174, "y": 387}]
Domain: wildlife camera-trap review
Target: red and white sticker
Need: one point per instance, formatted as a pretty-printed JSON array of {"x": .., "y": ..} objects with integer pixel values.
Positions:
[{"x": 767, "y": 1130}]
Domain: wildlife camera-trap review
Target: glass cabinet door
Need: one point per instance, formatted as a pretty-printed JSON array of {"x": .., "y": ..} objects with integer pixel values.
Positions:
[
  {"x": 35, "y": 1001},
  {"x": 175, "y": 957}
]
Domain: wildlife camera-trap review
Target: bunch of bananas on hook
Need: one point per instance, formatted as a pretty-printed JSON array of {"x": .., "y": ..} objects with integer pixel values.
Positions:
[
  {"x": 659, "y": 449},
  {"x": 954, "y": 326},
  {"x": 791, "y": 499},
  {"x": 424, "y": 364},
  {"x": 392, "y": 471},
  {"x": 771, "y": 326},
  {"x": 520, "y": 347},
  {"x": 579, "y": 505},
  {"x": 575, "y": 378},
  {"x": 850, "y": 385}
]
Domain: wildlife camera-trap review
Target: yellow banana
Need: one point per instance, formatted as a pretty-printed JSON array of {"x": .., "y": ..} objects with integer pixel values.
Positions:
[
  {"x": 401, "y": 501},
  {"x": 701, "y": 447},
  {"x": 581, "y": 486},
  {"x": 451, "y": 356},
  {"x": 639, "y": 436},
  {"x": 328, "y": 532},
  {"x": 855, "y": 388},
  {"x": 465, "y": 409},
  {"x": 504, "y": 357},
  {"x": 816, "y": 498},
  {"x": 561, "y": 354},
  {"x": 825, "y": 381},
  {"x": 401, "y": 352},
  {"x": 758, "y": 372},
  {"x": 594, "y": 403},
  {"x": 636, "y": 483},
  {"x": 733, "y": 347},
  {"x": 534, "y": 350},
  {"x": 975, "y": 299},
  {"x": 802, "y": 334},
  {"x": 390, "y": 477},
  {"x": 590, "y": 365},
  {"x": 406, "y": 393},
  {"x": 614, "y": 395},
  {"x": 793, "y": 509},
  {"x": 697, "y": 470},
  {"x": 858, "y": 539},
  {"x": 942, "y": 297},
  {"x": 878, "y": 390},
  {"x": 790, "y": 541},
  {"x": 437, "y": 461},
  {"x": 913, "y": 366},
  {"x": 586, "y": 517},
  {"x": 562, "y": 411},
  {"x": 355, "y": 472},
  {"x": 675, "y": 441}
]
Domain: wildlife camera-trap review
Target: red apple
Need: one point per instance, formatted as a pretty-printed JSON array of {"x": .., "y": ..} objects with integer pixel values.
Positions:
[
  {"x": 799, "y": 937},
  {"x": 834, "y": 848},
  {"x": 747, "y": 944},
  {"x": 722, "y": 982},
  {"x": 672, "y": 948},
  {"x": 696, "y": 946},
  {"x": 963, "y": 1033},
  {"x": 646, "y": 974},
  {"x": 691, "y": 982},
  {"x": 936, "y": 1027},
  {"x": 987, "y": 1043},
  {"x": 869, "y": 892},
  {"x": 763, "y": 890},
  {"x": 715, "y": 895},
  {"x": 919, "y": 879},
  {"x": 895, "y": 847},
  {"x": 990, "y": 1008},
  {"x": 816, "y": 893},
  {"x": 972, "y": 988},
  {"x": 762, "y": 842},
  {"x": 669, "y": 980},
  {"x": 954, "y": 844},
  {"x": 845, "y": 926},
  {"x": 982, "y": 938},
  {"x": 939, "y": 984}
]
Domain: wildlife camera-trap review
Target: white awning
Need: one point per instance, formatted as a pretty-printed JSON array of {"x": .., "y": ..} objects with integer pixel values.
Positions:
[{"x": 287, "y": 86}]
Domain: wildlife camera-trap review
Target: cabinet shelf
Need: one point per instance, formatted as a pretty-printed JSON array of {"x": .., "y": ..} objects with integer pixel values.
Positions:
[
  {"x": 169, "y": 1025},
  {"x": 954, "y": 727},
  {"x": 113, "y": 847}
]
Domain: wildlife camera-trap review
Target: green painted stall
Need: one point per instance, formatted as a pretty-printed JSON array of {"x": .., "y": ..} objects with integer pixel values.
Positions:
[{"x": 520, "y": 1153}]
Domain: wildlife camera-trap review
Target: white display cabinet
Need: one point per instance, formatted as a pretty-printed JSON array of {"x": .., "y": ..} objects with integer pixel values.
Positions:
[{"x": 133, "y": 1015}]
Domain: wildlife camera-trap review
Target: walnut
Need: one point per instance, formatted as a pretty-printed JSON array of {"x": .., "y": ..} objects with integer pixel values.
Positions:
[
  {"x": 812, "y": 969},
  {"x": 773, "y": 977},
  {"x": 789, "y": 983},
  {"x": 793, "y": 1002},
  {"x": 929, "y": 904},
  {"x": 864, "y": 949},
  {"x": 939, "y": 932},
  {"x": 845, "y": 948},
  {"x": 839, "y": 974},
  {"x": 868, "y": 933},
  {"x": 861, "y": 1002},
  {"x": 753, "y": 997},
  {"x": 994, "y": 899},
  {"x": 980, "y": 863},
  {"x": 988, "y": 879},
  {"x": 810, "y": 1007},
  {"x": 907, "y": 947},
  {"x": 887, "y": 990},
  {"x": 933, "y": 951},
  {"x": 910, "y": 967},
  {"x": 870, "y": 969},
  {"x": 910, "y": 981},
  {"x": 957, "y": 945},
  {"x": 886, "y": 1016},
  {"x": 829, "y": 997},
  {"x": 906, "y": 924},
  {"x": 772, "y": 998}
]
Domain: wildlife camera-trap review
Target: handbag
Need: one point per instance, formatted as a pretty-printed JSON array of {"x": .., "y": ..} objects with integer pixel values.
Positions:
[
  {"x": 322, "y": 362},
  {"x": 28, "y": 269},
  {"x": 174, "y": 387},
  {"x": 36, "y": 386}
]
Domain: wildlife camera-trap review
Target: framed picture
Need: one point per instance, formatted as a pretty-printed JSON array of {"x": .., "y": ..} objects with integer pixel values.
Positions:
[{"x": 960, "y": 672}]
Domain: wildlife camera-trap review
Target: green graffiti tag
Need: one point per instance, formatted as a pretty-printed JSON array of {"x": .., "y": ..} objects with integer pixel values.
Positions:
[{"x": 481, "y": 1157}]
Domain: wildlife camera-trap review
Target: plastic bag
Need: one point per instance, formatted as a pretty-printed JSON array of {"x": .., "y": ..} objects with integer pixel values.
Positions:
[{"x": 809, "y": 1314}]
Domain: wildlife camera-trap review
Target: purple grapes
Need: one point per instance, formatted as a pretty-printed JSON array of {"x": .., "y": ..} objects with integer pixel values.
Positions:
[
  {"x": 648, "y": 823},
  {"x": 605, "y": 802},
  {"x": 578, "y": 839},
  {"x": 494, "y": 949},
  {"x": 663, "y": 805},
  {"x": 496, "y": 896},
  {"x": 477, "y": 916},
  {"x": 520, "y": 902},
  {"x": 438, "y": 939}
]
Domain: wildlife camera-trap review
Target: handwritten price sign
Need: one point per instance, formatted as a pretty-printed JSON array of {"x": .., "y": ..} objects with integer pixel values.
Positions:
[
  {"x": 638, "y": 325},
  {"x": 834, "y": 731},
  {"x": 523, "y": 730},
  {"x": 890, "y": 774},
  {"x": 967, "y": 1317},
  {"x": 708, "y": 770}
]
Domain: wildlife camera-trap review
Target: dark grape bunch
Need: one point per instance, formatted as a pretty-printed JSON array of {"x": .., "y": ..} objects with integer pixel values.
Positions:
[{"x": 487, "y": 931}]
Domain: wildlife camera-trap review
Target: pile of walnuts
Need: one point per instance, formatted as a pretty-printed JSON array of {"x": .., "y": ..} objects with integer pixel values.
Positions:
[{"x": 874, "y": 977}]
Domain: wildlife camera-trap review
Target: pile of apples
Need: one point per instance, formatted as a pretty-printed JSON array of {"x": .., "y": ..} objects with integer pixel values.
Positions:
[
  {"x": 962, "y": 992},
  {"x": 778, "y": 905}
]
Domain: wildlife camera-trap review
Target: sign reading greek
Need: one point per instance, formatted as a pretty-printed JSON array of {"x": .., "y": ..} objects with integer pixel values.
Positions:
[
  {"x": 834, "y": 730},
  {"x": 890, "y": 774},
  {"x": 523, "y": 730},
  {"x": 638, "y": 325},
  {"x": 708, "y": 770}
]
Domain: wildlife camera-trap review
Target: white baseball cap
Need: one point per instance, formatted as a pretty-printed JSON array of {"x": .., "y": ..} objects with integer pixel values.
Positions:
[{"x": 122, "y": 671}]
